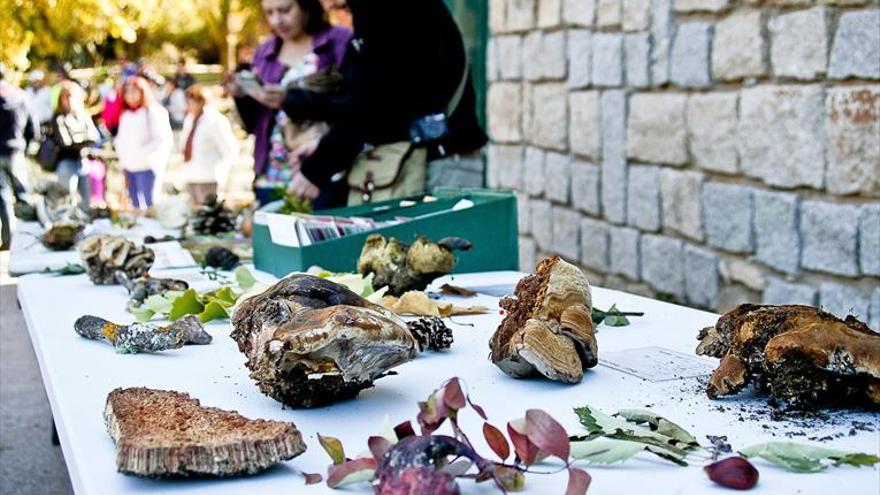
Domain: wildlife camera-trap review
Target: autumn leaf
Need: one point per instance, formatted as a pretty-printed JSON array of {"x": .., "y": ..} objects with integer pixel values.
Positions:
[
  {"x": 547, "y": 433},
  {"x": 333, "y": 447},
  {"x": 355, "y": 471},
  {"x": 496, "y": 441},
  {"x": 578, "y": 482}
]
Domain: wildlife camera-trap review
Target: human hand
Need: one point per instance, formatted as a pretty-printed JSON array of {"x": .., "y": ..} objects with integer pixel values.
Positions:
[
  {"x": 270, "y": 95},
  {"x": 302, "y": 187},
  {"x": 303, "y": 151},
  {"x": 231, "y": 84}
]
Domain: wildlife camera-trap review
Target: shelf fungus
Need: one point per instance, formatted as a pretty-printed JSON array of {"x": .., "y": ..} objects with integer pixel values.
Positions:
[
  {"x": 548, "y": 329},
  {"x": 310, "y": 341},
  {"x": 161, "y": 433},
  {"x": 405, "y": 267},
  {"x": 105, "y": 255},
  {"x": 799, "y": 354},
  {"x": 143, "y": 337},
  {"x": 61, "y": 236}
]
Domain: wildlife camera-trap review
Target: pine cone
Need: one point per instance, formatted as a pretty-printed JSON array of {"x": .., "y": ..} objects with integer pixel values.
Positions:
[
  {"x": 212, "y": 218},
  {"x": 431, "y": 333}
]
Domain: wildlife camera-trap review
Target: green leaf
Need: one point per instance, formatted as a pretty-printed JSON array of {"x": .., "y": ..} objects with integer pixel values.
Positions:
[
  {"x": 161, "y": 303},
  {"x": 214, "y": 310},
  {"x": 142, "y": 314},
  {"x": 185, "y": 304},
  {"x": 605, "y": 450},
  {"x": 599, "y": 424},
  {"x": 333, "y": 447},
  {"x": 597, "y": 315},
  {"x": 224, "y": 295},
  {"x": 613, "y": 318},
  {"x": 805, "y": 458},
  {"x": 658, "y": 424},
  {"x": 244, "y": 278}
]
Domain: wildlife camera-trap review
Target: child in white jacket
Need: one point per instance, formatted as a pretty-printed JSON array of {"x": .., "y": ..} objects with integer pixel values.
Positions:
[
  {"x": 208, "y": 144},
  {"x": 143, "y": 142}
]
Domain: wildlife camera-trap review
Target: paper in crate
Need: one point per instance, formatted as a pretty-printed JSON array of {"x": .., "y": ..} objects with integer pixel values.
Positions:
[{"x": 334, "y": 239}]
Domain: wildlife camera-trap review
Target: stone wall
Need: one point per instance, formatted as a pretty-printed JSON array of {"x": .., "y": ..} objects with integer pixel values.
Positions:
[{"x": 709, "y": 152}]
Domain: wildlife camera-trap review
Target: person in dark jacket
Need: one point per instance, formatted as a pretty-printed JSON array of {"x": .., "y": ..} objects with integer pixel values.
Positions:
[
  {"x": 17, "y": 127},
  {"x": 394, "y": 73}
]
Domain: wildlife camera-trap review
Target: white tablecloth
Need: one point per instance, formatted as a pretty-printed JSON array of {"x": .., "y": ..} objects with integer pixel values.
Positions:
[{"x": 79, "y": 373}]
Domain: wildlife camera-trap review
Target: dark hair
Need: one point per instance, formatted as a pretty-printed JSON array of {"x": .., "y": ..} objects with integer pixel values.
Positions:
[{"x": 316, "y": 20}]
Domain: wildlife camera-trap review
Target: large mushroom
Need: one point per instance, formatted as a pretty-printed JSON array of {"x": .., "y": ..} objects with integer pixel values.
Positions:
[
  {"x": 548, "y": 329},
  {"x": 310, "y": 341},
  {"x": 800, "y": 354},
  {"x": 105, "y": 256}
]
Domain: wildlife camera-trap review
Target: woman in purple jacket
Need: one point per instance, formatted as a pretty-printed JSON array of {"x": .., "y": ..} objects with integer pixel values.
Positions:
[{"x": 302, "y": 42}]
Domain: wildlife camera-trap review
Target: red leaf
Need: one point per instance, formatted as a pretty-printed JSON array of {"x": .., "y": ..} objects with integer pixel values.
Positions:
[
  {"x": 378, "y": 446},
  {"x": 496, "y": 441},
  {"x": 337, "y": 473},
  {"x": 313, "y": 478},
  {"x": 524, "y": 448},
  {"x": 547, "y": 433},
  {"x": 453, "y": 397},
  {"x": 578, "y": 482},
  {"x": 404, "y": 430},
  {"x": 477, "y": 408},
  {"x": 432, "y": 413}
]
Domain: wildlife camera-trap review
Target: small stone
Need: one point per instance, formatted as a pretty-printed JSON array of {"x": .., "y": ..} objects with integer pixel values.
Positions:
[
  {"x": 558, "y": 169},
  {"x": 874, "y": 323},
  {"x": 743, "y": 272},
  {"x": 843, "y": 300},
  {"x": 609, "y": 13},
  {"x": 636, "y": 15},
  {"x": 505, "y": 166},
  {"x": 799, "y": 43},
  {"x": 656, "y": 130},
  {"x": 549, "y": 122},
  {"x": 830, "y": 237},
  {"x": 662, "y": 29},
  {"x": 638, "y": 54},
  {"x": 528, "y": 254},
  {"x": 594, "y": 245},
  {"x": 700, "y": 5},
  {"x": 532, "y": 44},
  {"x": 505, "y": 112},
  {"x": 510, "y": 56},
  {"x": 553, "y": 60},
  {"x": 643, "y": 197},
  {"x": 711, "y": 124},
  {"x": 855, "y": 51},
  {"x": 663, "y": 263},
  {"x": 701, "y": 276},
  {"x": 579, "y": 12},
  {"x": 777, "y": 239},
  {"x": 614, "y": 180},
  {"x": 779, "y": 291},
  {"x": 780, "y": 135},
  {"x": 690, "y": 55},
  {"x": 728, "y": 210},
  {"x": 680, "y": 197},
  {"x": 869, "y": 239},
  {"x": 585, "y": 187},
  {"x": 625, "y": 252},
  {"x": 580, "y": 57},
  {"x": 521, "y": 14},
  {"x": 523, "y": 215},
  {"x": 534, "y": 177},
  {"x": 542, "y": 225},
  {"x": 852, "y": 127},
  {"x": 738, "y": 47},
  {"x": 607, "y": 59},
  {"x": 585, "y": 121},
  {"x": 566, "y": 234},
  {"x": 549, "y": 13}
]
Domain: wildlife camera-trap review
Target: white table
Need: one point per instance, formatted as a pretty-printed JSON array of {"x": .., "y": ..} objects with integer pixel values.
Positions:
[
  {"x": 79, "y": 373},
  {"x": 28, "y": 255}
]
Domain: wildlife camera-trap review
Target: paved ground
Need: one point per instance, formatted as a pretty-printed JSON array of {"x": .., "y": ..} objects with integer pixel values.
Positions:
[{"x": 29, "y": 463}]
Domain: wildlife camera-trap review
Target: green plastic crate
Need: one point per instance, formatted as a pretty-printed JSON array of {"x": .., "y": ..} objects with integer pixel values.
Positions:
[{"x": 490, "y": 224}]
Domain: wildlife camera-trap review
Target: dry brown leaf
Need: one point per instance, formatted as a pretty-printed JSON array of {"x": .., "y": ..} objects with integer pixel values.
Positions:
[
  {"x": 454, "y": 290},
  {"x": 419, "y": 304}
]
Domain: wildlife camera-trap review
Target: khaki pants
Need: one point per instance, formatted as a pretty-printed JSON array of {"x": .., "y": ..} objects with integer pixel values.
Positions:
[{"x": 199, "y": 191}]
